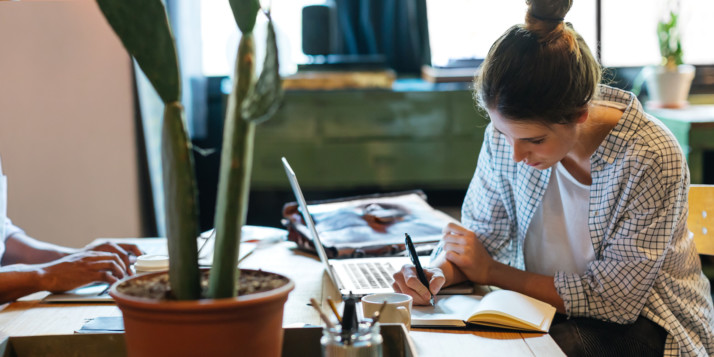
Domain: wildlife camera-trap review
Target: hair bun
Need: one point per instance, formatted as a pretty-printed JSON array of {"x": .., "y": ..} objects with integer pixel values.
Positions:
[
  {"x": 549, "y": 10},
  {"x": 545, "y": 17}
]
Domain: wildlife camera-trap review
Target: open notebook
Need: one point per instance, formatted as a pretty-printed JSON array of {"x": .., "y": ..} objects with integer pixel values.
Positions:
[{"x": 500, "y": 308}]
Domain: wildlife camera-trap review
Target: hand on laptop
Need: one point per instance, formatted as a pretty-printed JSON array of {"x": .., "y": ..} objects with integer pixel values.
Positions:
[
  {"x": 80, "y": 269},
  {"x": 125, "y": 251},
  {"x": 406, "y": 281}
]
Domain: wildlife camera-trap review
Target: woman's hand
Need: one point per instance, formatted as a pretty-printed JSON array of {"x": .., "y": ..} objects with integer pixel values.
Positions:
[
  {"x": 80, "y": 269},
  {"x": 463, "y": 249},
  {"x": 406, "y": 281}
]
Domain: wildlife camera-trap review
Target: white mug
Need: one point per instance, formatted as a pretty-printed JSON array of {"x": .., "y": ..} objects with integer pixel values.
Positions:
[
  {"x": 397, "y": 310},
  {"x": 150, "y": 263}
]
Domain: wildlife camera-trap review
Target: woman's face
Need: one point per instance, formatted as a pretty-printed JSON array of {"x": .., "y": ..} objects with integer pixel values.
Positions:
[{"x": 536, "y": 144}]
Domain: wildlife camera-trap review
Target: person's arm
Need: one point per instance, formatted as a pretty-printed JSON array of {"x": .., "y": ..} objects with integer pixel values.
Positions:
[
  {"x": 64, "y": 274},
  {"x": 17, "y": 281},
  {"x": 22, "y": 249},
  {"x": 466, "y": 252},
  {"x": 30, "y": 265},
  {"x": 483, "y": 208},
  {"x": 541, "y": 287}
]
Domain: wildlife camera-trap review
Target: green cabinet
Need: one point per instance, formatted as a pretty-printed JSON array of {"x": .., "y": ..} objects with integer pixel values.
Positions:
[
  {"x": 385, "y": 139},
  {"x": 693, "y": 127}
]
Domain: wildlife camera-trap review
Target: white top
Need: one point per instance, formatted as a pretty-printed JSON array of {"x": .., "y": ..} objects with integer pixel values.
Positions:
[
  {"x": 3, "y": 211},
  {"x": 6, "y": 227},
  {"x": 558, "y": 238}
]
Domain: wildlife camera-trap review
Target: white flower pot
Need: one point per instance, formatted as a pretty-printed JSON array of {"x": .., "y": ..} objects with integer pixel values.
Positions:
[{"x": 669, "y": 88}]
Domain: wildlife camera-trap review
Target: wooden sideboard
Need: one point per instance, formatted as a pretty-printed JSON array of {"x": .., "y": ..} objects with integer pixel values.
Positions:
[
  {"x": 388, "y": 139},
  {"x": 693, "y": 126},
  {"x": 417, "y": 135}
]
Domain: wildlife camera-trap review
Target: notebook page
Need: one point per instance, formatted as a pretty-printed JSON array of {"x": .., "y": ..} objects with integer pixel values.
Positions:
[
  {"x": 448, "y": 310},
  {"x": 530, "y": 311}
]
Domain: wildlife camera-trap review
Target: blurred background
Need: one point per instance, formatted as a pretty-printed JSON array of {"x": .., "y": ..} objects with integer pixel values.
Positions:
[{"x": 378, "y": 99}]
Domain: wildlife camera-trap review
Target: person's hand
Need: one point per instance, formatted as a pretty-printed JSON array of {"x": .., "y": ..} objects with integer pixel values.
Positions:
[
  {"x": 125, "y": 251},
  {"x": 80, "y": 269},
  {"x": 406, "y": 281},
  {"x": 464, "y": 250}
]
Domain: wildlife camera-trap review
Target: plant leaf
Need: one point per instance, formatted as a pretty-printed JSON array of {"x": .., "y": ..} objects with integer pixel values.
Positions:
[
  {"x": 670, "y": 45},
  {"x": 266, "y": 96},
  {"x": 143, "y": 28},
  {"x": 180, "y": 204},
  {"x": 245, "y": 13},
  {"x": 234, "y": 177}
]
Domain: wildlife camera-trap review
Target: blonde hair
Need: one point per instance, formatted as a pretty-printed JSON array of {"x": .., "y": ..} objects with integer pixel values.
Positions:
[{"x": 541, "y": 70}]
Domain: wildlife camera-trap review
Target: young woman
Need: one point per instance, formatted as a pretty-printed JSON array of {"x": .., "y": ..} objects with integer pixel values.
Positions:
[{"x": 579, "y": 199}]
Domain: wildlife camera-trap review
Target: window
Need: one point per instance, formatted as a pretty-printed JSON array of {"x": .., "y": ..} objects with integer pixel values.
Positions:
[
  {"x": 462, "y": 29},
  {"x": 629, "y": 32},
  {"x": 220, "y": 35}
]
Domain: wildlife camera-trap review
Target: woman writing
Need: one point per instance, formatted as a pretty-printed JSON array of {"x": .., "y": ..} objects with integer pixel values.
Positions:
[{"x": 579, "y": 199}]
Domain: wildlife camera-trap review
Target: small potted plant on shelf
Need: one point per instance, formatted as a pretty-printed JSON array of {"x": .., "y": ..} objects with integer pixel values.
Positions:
[
  {"x": 668, "y": 83},
  {"x": 189, "y": 311}
]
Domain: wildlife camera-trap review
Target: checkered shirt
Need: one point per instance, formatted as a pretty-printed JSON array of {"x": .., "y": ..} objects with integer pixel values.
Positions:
[{"x": 645, "y": 260}]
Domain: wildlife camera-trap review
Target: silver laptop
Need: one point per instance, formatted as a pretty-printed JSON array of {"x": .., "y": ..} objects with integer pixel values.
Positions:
[{"x": 359, "y": 276}]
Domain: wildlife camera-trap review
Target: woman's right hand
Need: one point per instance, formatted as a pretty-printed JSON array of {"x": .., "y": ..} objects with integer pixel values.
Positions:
[
  {"x": 406, "y": 281},
  {"x": 82, "y": 268}
]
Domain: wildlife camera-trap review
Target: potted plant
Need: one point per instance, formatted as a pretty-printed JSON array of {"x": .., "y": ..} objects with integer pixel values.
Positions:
[
  {"x": 188, "y": 311},
  {"x": 668, "y": 84}
]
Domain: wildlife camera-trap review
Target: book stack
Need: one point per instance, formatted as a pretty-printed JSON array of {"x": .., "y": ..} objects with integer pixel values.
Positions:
[{"x": 340, "y": 79}]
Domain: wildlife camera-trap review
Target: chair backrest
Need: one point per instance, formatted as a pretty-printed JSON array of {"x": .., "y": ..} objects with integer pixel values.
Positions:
[{"x": 701, "y": 217}]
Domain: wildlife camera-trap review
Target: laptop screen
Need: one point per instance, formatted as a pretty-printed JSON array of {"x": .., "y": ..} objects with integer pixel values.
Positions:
[{"x": 308, "y": 218}]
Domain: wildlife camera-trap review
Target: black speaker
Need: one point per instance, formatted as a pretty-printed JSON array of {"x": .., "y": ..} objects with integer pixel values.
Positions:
[{"x": 316, "y": 30}]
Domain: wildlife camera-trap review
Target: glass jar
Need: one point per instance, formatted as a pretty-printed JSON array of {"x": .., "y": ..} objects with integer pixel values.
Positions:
[{"x": 366, "y": 341}]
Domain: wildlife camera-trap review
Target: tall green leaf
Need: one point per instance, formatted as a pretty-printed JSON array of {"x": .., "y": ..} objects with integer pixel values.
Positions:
[
  {"x": 180, "y": 205},
  {"x": 245, "y": 12},
  {"x": 143, "y": 27},
  {"x": 265, "y": 97},
  {"x": 234, "y": 177}
]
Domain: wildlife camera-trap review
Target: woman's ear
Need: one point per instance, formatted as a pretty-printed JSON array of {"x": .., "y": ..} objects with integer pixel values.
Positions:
[{"x": 583, "y": 117}]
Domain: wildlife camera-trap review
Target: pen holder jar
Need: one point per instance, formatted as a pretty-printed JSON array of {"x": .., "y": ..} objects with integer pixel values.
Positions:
[{"x": 365, "y": 341}]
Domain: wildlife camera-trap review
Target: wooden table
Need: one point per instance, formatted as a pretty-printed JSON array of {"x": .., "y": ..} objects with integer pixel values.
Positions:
[{"x": 32, "y": 317}]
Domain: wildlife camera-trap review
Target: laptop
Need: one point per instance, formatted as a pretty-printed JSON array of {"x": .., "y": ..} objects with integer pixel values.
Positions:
[{"x": 359, "y": 276}]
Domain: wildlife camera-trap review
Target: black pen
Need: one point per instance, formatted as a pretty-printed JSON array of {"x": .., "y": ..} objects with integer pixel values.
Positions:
[{"x": 417, "y": 265}]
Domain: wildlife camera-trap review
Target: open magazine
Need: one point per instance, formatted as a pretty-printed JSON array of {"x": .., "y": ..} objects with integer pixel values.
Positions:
[{"x": 372, "y": 225}]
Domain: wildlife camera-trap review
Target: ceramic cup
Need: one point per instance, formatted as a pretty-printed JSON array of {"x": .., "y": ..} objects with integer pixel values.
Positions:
[
  {"x": 398, "y": 309},
  {"x": 150, "y": 262}
]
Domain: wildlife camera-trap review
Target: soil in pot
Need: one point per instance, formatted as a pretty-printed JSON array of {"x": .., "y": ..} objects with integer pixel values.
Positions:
[{"x": 157, "y": 287}]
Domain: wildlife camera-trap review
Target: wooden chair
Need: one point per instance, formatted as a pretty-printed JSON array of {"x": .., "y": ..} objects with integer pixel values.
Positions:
[
  {"x": 701, "y": 217},
  {"x": 701, "y": 223}
]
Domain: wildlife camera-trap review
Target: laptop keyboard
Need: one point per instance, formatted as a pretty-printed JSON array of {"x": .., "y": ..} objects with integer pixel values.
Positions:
[{"x": 370, "y": 275}]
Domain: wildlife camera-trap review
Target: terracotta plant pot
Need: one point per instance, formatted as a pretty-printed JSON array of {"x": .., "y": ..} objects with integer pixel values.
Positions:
[{"x": 249, "y": 325}]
